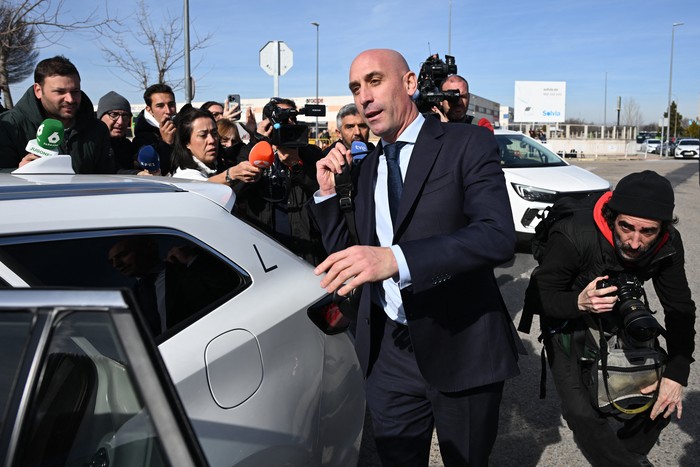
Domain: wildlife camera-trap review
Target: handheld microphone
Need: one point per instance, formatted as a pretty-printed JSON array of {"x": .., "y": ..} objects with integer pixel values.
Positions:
[
  {"x": 262, "y": 155},
  {"x": 359, "y": 150},
  {"x": 148, "y": 159},
  {"x": 485, "y": 123},
  {"x": 49, "y": 137}
]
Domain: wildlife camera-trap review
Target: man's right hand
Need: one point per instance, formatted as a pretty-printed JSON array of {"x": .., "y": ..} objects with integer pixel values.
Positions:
[
  {"x": 27, "y": 159},
  {"x": 329, "y": 166},
  {"x": 167, "y": 131},
  {"x": 594, "y": 300},
  {"x": 438, "y": 111}
]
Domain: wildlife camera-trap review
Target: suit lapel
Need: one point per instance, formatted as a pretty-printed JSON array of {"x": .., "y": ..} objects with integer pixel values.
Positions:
[{"x": 423, "y": 157}]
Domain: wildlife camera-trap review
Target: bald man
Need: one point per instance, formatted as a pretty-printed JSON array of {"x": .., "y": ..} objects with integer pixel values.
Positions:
[{"x": 432, "y": 332}]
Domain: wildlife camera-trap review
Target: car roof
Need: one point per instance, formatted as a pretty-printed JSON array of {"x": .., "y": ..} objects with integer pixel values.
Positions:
[{"x": 30, "y": 186}]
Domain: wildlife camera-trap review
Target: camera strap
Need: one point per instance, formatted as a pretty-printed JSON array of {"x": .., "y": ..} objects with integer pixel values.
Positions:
[
  {"x": 344, "y": 190},
  {"x": 604, "y": 351}
]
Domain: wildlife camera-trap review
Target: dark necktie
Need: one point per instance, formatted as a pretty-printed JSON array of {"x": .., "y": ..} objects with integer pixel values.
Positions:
[{"x": 394, "y": 180}]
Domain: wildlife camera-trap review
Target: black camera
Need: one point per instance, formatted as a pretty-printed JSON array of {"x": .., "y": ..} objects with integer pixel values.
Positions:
[
  {"x": 638, "y": 324},
  {"x": 285, "y": 131},
  {"x": 433, "y": 72}
]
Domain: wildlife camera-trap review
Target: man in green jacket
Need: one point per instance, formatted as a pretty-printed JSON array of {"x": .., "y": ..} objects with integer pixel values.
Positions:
[{"x": 56, "y": 94}]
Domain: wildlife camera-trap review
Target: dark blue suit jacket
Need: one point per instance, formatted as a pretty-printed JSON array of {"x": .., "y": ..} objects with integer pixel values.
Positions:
[{"x": 454, "y": 226}]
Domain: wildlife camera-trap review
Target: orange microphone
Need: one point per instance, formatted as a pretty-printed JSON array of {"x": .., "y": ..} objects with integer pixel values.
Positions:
[{"x": 262, "y": 155}]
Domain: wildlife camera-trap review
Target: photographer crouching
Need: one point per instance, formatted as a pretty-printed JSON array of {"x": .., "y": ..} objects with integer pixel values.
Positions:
[
  {"x": 275, "y": 201},
  {"x": 592, "y": 271}
]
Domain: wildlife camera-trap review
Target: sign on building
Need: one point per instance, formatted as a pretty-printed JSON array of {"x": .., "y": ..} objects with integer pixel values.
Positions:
[{"x": 540, "y": 101}]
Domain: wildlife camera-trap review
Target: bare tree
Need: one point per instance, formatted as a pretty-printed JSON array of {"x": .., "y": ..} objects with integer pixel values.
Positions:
[
  {"x": 631, "y": 115},
  {"x": 24, "y": 23},
  {"x": 161, "y": 49},
  {"x": 20, "y": 55}
]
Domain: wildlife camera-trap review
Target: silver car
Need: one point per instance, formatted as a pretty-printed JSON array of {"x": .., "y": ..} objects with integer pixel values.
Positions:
[{"x": 257, "y": 351}]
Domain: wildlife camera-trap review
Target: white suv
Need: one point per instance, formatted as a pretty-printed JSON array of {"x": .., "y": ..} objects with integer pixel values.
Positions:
[{"x": 254, "y": 346}]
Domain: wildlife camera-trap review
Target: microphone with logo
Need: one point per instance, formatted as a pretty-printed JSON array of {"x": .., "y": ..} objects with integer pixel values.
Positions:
[
  {"x": 148, "y": 159},
  {"x": 262, "y": 155},
  {"x": 49, "y": 137},
  {"x": 359, "y": 150}
]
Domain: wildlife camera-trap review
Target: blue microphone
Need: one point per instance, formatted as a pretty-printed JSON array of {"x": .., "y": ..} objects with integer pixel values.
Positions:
[
  {"x": 148, "y": 159},
  {"x": 359, "y": 150}
]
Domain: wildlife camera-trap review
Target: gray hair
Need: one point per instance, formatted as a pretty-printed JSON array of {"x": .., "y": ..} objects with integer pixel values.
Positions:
[{"x": 348, "y": 109}]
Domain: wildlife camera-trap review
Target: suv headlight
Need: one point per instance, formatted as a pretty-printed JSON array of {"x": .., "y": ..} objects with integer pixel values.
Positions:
[{"x": 530, "y": 193}]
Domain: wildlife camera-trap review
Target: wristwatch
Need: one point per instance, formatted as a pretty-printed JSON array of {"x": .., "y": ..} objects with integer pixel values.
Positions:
[{"x": 228, "y": 177}]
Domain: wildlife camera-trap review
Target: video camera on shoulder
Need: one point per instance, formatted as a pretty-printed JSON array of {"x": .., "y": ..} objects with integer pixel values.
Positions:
[
  {"x": 433, "y": 72},
  {"x": 286, "y": 132}
]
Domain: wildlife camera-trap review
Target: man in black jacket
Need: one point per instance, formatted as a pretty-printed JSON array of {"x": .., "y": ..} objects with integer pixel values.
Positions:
[
  {"x": 115, "y": 112},
  {"x": 630, "y": 230},
  {"x": 56, "y": 94},
  {"x": 155, "y": 126}
]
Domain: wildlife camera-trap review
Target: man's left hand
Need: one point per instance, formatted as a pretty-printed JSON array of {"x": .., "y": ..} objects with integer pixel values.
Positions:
[
  {"x": 670, "y": 398},
  {"x": 356, "y": 265}
]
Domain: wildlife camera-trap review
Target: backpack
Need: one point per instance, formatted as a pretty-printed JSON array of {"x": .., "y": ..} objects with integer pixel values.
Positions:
[{"x": 562, "y": 208}]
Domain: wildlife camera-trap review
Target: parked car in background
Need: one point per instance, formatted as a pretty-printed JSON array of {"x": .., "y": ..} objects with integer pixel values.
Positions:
[
  {"x": 536, "y": 177},
  {"x": 652, "y": 145},
  {"x": 687, "y": 148},
  {"x": 256, "y": 350}
]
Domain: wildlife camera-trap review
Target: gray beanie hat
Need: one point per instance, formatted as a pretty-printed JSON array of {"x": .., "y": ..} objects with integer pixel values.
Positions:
[{"x": 112, "y": 101}]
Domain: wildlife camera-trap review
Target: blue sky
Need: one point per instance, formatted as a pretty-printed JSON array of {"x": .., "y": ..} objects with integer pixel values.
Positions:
[{"x": 495, "y": 44}]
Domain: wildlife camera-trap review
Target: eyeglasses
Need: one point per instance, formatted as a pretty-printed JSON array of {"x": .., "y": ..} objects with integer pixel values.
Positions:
[{"x": 114, "y": 116}]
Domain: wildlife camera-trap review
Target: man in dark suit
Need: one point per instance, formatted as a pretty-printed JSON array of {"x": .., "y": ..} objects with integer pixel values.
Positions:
[{"x": 433, "y": 335}]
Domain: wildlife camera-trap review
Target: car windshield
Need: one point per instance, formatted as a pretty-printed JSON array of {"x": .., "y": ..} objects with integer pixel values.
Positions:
[
  {"x": 518, "y": 151},
  {"x": 689, "y": 142},
  {"x": 653, "y": 141}
]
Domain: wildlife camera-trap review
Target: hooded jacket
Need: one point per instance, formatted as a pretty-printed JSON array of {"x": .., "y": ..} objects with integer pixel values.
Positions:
[
  {"x": 581, "y": 248},
  {"x": 87, "y": 142}
]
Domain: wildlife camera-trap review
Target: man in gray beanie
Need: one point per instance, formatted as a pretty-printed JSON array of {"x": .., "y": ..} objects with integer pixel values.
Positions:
[
  {"x": 630, "y": 231},
  {"x": 115, "y": 112}
]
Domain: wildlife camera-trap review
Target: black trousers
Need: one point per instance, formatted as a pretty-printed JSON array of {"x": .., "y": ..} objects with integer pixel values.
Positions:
[
  {"x": 405, "y": 409},
  {"x": 605, "y": 440}
]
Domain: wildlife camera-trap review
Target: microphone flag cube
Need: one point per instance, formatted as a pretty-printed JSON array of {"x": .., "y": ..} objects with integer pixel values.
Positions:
[{"x": 49, "y": 137}]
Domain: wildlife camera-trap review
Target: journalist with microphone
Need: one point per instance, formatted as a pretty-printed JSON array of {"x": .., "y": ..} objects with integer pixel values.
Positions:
[{"x": 56, "y": 94}]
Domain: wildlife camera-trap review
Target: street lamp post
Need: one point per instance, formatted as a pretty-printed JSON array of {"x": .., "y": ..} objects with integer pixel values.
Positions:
[
  {"x": 670, "y": 86},
  {"x": 317, "y": 25}
]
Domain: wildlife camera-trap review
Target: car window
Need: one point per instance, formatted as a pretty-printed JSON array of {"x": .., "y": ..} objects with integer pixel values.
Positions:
[
  {"x": 520, "y": 151},
  {"x": 689, "y": 142},
  {"x": 86, "y": 409},
  {"x": 174, "y": 279},
  {"x": 14, "y": 332}
]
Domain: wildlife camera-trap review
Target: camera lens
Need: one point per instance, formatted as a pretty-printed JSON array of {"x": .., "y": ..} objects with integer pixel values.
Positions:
[{"x": 638, "y": 322}]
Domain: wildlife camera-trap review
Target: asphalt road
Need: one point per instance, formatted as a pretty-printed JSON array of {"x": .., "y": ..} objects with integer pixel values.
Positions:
[{"x": 532, "y": 432}]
